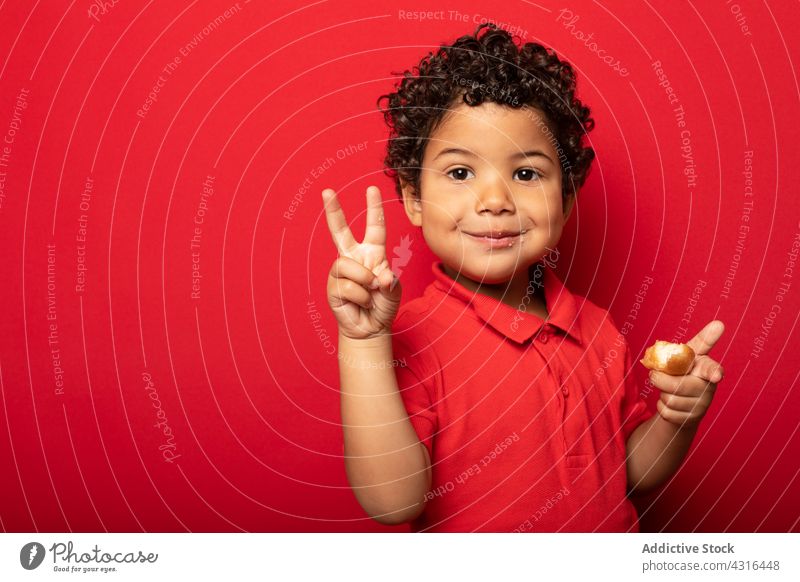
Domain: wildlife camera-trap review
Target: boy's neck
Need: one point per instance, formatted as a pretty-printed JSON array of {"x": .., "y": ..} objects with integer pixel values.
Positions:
[{"x": 511, "y": 293}]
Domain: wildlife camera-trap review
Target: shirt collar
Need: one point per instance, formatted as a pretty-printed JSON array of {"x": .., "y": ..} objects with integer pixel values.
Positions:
[{"x": 518, "y": 324}]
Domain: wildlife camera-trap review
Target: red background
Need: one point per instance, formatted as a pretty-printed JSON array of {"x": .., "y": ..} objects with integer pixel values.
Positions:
[{"x": 243, "y": 378}]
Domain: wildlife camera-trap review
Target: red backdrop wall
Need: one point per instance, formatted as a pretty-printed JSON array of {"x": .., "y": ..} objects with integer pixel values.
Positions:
[{"x": 165, "y": 252}]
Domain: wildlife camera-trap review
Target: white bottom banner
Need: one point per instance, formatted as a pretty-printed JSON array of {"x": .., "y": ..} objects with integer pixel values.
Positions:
[{"x": 401, "y": 557}]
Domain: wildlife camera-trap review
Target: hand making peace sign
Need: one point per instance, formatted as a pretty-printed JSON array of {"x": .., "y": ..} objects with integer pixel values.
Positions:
[{"x": 361, "y": 292}]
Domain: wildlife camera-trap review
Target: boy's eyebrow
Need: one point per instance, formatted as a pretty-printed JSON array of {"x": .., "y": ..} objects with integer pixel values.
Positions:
[{"x": 515, "y": 156}]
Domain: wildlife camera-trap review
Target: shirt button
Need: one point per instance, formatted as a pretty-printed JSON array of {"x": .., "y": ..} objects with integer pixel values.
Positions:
[
  {"x": 543, "y": 337},
  {"x": 565, "y": 390}
]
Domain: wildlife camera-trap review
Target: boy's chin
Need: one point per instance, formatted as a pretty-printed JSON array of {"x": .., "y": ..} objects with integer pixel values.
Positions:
[{"x": 492, "y": 271}]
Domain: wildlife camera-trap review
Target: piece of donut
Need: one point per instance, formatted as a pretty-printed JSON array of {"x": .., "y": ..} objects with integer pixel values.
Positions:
[{"x": 672, "y": 359}]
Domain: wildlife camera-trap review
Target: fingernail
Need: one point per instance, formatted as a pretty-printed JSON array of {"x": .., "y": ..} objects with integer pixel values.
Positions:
[{"x": 375, "y": 283}]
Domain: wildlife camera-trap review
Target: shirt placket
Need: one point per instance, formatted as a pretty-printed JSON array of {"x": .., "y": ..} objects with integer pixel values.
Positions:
[{"x": 545, "y": 336}]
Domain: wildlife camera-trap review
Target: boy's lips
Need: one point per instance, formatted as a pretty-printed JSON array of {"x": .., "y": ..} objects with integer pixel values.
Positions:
[
  {"x": 496, "y": 239},
  {"x": 495, "y": 233}
]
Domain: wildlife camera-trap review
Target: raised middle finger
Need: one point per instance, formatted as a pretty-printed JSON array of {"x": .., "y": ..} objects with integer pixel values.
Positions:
[{"x": 337, "y": 224}]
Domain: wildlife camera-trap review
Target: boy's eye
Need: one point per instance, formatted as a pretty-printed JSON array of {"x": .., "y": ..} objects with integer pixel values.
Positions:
[
  {"x": 459, "y": 174},
  {"x": 524, "y": 174},
  {"x": 528, "y": 174}
]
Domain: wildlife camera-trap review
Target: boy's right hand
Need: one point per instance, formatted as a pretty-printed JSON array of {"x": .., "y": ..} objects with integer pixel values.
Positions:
[{"x": 360, "y": 289}]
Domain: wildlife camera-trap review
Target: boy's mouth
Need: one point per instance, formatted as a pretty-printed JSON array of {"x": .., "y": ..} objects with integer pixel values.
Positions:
[{"x": 496, "y": 239}]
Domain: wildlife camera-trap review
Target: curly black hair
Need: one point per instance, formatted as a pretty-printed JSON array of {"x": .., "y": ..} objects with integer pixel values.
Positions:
[{"x": 488, "y": 67}]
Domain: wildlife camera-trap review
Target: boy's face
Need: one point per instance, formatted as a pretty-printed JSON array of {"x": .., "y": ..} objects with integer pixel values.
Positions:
[{"x": 494, "y": 208}]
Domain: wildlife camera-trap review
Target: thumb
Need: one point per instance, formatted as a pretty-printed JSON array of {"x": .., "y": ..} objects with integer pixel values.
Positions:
[
  {"x": 389, "y": 285},
  {"x": 707, "y": 337}
]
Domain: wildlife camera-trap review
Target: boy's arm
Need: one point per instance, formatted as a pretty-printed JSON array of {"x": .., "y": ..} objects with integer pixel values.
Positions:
[
  {"x": 657, "y": 447},
  {"x": 387, "y": 465}
]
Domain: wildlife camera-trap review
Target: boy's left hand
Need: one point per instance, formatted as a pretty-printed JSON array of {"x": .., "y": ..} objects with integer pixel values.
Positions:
[{"x": 685, "y": 399}]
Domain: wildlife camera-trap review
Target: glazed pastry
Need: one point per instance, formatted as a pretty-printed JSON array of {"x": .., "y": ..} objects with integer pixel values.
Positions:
[{"x": 672, "y": 359}]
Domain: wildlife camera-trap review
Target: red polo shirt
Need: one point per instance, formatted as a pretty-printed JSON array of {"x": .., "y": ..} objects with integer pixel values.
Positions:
[{"x": 525, "y": 420}]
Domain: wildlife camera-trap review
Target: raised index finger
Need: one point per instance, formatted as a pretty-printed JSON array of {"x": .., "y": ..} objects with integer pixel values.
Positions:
[
  {"x": 707, "y": 337},
  {"x": 376, "y": 225},
  {"x": 342, "y": 236}
]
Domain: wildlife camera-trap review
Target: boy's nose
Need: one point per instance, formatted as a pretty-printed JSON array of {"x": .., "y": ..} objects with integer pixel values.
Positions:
[{"x": 495, "y": 198}]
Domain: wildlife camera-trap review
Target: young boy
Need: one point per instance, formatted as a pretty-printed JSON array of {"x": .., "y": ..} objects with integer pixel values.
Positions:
[{"x": 498, "y": 401}]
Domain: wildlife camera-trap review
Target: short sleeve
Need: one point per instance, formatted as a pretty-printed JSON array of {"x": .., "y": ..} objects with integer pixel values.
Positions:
[
  {"x": 634, "y": 406},
  {"x": 417, "y": 375},
  {"x": 633, "y": 410}
]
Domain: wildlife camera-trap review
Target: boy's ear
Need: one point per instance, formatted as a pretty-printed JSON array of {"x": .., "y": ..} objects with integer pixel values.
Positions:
[
  {"x": 569, "y": 204},
  {"x": 412, "y": 203}
]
